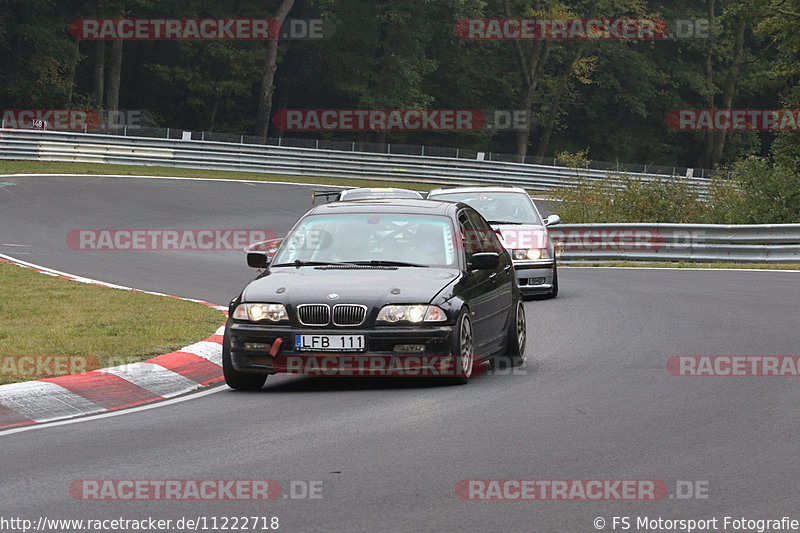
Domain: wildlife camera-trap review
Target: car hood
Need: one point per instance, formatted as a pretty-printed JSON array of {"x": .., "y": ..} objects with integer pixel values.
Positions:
[
  {"x": 369, "y": 286},
  {"x": 522, "y": 236}
]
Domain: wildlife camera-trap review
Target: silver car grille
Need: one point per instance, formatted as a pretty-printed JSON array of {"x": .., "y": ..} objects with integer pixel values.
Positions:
[{"x": 320, "y": 314}]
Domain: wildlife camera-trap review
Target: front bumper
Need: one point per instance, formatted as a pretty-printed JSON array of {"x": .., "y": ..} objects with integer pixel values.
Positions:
[
  {"x": 378, "y": 341},
  {"x": 535, "y": 277}
]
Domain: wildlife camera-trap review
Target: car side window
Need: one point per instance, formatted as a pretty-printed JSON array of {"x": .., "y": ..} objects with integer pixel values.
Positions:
[
  {"x": 467, "y": 236},
  {"x": 484, "y": 233}
]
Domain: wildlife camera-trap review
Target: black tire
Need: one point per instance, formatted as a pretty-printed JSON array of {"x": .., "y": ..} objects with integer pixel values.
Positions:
[
  {"x": 462, "y": 349},
  {"x": 515, "y": 343},
  {"x": 238, "y": 380},
  {"x": 554, "y": 292}
]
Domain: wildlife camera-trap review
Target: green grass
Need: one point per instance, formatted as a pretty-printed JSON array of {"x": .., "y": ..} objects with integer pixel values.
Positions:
[
  {"x": 43, "y": 315},
  {"x": 39, "y": 167},
  {"x": 667, "y": 264}
]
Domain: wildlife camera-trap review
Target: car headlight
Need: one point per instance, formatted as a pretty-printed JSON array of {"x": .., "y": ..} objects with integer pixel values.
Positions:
[
  {"x": 531, "y": 254},
  {"x": 411, "y": 313},
  {"x": 261, "y": 312}
]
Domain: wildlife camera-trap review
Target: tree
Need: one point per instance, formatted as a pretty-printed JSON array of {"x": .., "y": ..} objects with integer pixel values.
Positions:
[
  {"x": 270, "y": 66},
  {"x": 36, "y": 53}
]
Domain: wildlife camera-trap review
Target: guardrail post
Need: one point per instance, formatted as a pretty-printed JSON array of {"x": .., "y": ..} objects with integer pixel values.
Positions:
[
  {"x": 167, "y": 133},
  {"x": 388, "y": 148}
]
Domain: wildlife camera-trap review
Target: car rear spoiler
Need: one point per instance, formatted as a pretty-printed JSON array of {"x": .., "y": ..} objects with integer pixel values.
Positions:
[{"x": 326, "y": 194}]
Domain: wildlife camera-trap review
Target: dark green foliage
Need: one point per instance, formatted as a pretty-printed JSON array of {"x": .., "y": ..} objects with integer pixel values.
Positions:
[{"x": 612, "y": 96}]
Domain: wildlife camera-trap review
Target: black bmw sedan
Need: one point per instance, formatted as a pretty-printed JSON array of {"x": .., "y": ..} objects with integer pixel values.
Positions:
[{"x": 377, "y": 287}]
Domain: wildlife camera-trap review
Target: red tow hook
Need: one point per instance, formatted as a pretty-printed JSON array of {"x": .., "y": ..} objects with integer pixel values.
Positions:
[{"x": 275, "y": 347}]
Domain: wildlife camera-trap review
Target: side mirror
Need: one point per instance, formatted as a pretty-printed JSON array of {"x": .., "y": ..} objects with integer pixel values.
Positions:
[
  {"x": 485, "y": 261},
  {"x": 552, "y": 220},
  {"x": 259, "y": 254},
  {"x": 257, "y": 260}
]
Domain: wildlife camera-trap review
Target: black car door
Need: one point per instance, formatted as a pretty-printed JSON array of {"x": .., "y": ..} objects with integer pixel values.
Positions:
[
  {"x": 501, "y": 280},
  {"x": 479, "y": 289}
]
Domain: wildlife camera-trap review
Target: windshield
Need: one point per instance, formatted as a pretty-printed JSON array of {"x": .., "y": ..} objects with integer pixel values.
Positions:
[
  {"x": 365, "y": 237},
  {"x": 497, "y": 207}
]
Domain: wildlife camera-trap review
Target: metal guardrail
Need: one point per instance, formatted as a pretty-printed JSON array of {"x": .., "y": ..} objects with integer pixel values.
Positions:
[
  {"x": 206, "y": 155},
  {"x": 768, "y": 243},
  {"x": 778, "y": 243},
  {"x": 452, "y": 152},
  {"x": 580, "y": 243}
]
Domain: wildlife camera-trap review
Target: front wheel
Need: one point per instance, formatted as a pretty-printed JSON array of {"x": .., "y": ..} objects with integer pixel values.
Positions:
[
  {"x": 462, "y": 349},
  {"x": 515, "y": 343},
  {"x": 238, "y": 380},
  {"x": 554, "y": 292}
]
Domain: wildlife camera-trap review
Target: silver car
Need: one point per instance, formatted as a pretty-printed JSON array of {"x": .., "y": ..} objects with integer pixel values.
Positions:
[
  {"x": 511, "y": 211},
  {"x": 367, "y": 193}
]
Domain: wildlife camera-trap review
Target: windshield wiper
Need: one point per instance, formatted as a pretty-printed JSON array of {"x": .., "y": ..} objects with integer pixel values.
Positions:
[
  {"x": 379, "y": 262},
  {"x": 299, "y": 263}
]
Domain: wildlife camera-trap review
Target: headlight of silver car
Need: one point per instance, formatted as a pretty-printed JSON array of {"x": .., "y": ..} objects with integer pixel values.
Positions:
[
  {"x": 531, "y": 254},
  {"x": 411, "y": 313},
  {"x": 261, "y": 312}
]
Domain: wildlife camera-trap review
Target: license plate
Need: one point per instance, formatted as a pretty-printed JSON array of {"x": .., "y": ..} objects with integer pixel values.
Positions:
[{"x": 329, "y": 343}]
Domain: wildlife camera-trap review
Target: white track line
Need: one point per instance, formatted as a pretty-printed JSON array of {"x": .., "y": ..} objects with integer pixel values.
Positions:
[
  {"x": 123, "y": 412},
  {"x": 233, "y": 180},
  {"x": 42, "y": 401},
  {"x": 82, "y": 279}
]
